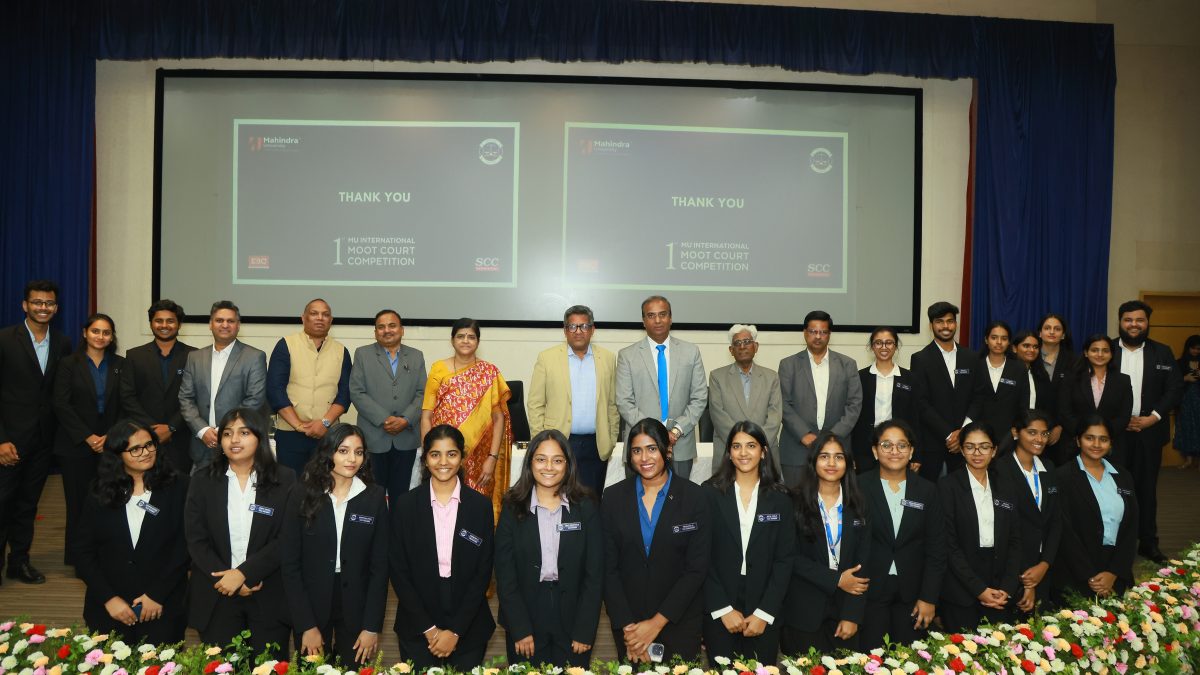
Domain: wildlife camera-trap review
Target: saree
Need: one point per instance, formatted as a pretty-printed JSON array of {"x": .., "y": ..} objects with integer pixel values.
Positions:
[{"x": 466, "y": 400}]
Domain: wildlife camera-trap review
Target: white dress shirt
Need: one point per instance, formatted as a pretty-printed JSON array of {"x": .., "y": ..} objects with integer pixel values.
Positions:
[
  {"x": 995, "y": 373},
  {"x": 746, "y": 516},
  {"x": 240, "y": 516},
  {"x": 1133, "y": 364},
  {"x": 220, "y": 358},
  {"x": 985, "y": 513},
  {"x": 951, "y": 360},
  {"x": 833, "y": 523},
  {"x": 339, "y": 516},
  {"x": 1032, "y": 391},
  {"x": 135, "y": 515},
  {"x": 884, "y": 384},
  {"x": 820, "y": 376},
  {"x": 666, "y": 354}
]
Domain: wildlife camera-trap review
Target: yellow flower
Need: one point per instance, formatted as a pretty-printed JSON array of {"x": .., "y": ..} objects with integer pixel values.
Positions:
[
  {"x": 951, "y": 649},
  {"x": 679, "y": 670},
  {"x": 311, "y": 658},
  {"x": 403, "y": 667},
  {"x": 738, "y": 665},
  {"x": 1146, "y": 627},
  {"x": 1101, "y": 653},
  {"x": 773, "y": 670},
  {"x": 100, "y": 638},
  {"x": 491, "y": 671},
  {"x": 56, "y": 670},
  {"x": 106, "y": 658},
  {"x": 898, "y": 671},
  {"x": 970, "y": 646},
  {"x": 1182, "y": 628},
  {"x": 212, "y": 651},
  {"x": 1124, "y": 626},
  {"x": 41, "y": 661},
  {"x": 264, "y": 668},
  {"x": 149, "y": 655},
  {"x": 1066, "y": 614},
  {"x": 998, "y": 636},
  {"x": 58, "y": 632},
  {"x": 25, "y": 627},
  {"x": 3, "y": 647},
  {"x": 1095, "y": 621},
  {"x": 1140, "y": 663},
  {"x": 1156, "y": 616},
  {"x": 1062, "y": 645},
  {"x": 576, "y": 670}
]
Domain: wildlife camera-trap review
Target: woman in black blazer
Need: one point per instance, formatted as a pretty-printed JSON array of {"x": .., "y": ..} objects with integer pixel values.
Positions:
[
  {"x": 984, "y": 579},
  {"x": 1076, "y": 395},
  {"x": 335, "y": 551},
  {"x": 1031, "y": 481},
  {"x": 746, "y": 584},
  {"x": 1057, "y": 358},
  {"x": 235, "y": 583},
  {"x": 87, "y": 402},
  {"x": 441, "y": 563},
  {"x": 1100, "y": 516},
  {"x": 908, "y": 542},
  {"x": 1003, "y": 391},
  {"x": 827, "y": 594},
  {"x": 131, "y": 553},
  {"x": 657, "y": 540},
  {"x": 1044, "y": 394},
  {"x": 898, "y": 402},
  {"x": 550, "y": 611}
]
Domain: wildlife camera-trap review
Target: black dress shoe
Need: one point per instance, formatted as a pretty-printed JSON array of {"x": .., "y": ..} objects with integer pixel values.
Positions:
[
  {"x": 1152, "y": 553},
  {"x": 26, "y": 573}
]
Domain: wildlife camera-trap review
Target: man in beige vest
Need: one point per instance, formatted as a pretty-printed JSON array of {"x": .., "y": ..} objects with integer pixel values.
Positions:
[
  {"x": 308, "y": 386},
  {"x": 573, "y": 389}
]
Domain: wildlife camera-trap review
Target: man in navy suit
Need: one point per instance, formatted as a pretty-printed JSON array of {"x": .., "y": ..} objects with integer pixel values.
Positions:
[{"x": 1157, "y": 387}]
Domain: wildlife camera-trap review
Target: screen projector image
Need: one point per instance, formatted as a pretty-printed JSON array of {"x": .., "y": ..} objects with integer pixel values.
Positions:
[{"x": 509, "y": 200}]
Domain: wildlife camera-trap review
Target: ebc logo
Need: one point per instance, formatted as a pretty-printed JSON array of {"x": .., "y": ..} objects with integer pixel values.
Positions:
[{"x": 820, "y": 269}]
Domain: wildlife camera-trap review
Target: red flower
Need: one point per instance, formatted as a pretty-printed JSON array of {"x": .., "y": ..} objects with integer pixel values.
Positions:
[
  {"x": 957, "y": 638},
  {"x": 281, "y": 668},
  {"x": 37, "y": 629},
  {"x": 152, "y": 670},
  {"x": 65, "y": 651},
  {"x": 211, "y": 667},
  {"x": 1180, "y": 570},
  {"x": 1109, "y": 618},
  {"x": 957, "y": 664},
  {"x": 920, "y": 672},
  {"x": 1154, "y": 587},
  {"x": 877, "y": 658},
  {"x": 1026, "y": 632},
  {"x": 1170, "y": 646},
  {"x": 817, "y": 670},
  {"x": 1154, "y": 608},
  {"x": 1076, "y": 651},
  {"x": 370, "y": 671},
  {"x": 1028, "y": 666}
]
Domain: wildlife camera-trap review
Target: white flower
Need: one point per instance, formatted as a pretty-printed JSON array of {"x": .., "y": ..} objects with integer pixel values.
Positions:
[
  {"x": 142, "y": 649},
  {"x": 8, "y": 663},
  {"x": 84, "y": 667},
  {"x": 18, "y": 648},
  {"x": 34, "y": 656},
  {"x": 721, "y": 660},
  {"x": 166, "y": 655},
  {"x": 109, "y": 668},
  {"x": 624, "y": 669},
  {"x": 662, "y": 669},
  {"x": 791, "y": 670}
]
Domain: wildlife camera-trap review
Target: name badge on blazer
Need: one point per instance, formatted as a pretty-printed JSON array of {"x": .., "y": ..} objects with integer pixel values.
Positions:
[
  {"x": 1007, "y": 506},
  {"x": 685, "y": 527},
  {"x": 904, "y": 387},
  {"x": 1124, "y": 493},
  {"x": 359, "y": 518},
  {"x": 1005, "y": 380},
  {"x": 263, "y": 510},
  {"x": 569, "y": 527},
  {"x": 962, "y": 371},
  {"x": 473, "y": 538},
  {"x": 768, "y": 517},
  {"x": 857, "y": 523},
  {"x": 147, "y": 507},
  {"x": 1052, "y": 490},
  {"x": 909, "y": 504},
  {"x": 179, "y": 372},
  {"x": 1164, "y": 366}
]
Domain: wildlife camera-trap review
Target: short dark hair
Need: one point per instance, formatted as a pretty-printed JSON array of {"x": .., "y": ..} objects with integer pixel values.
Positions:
[
  {"x": 387, "y": 311},
  {"x": 87, "y": 323},
  {"x": 165, "y": 305},
  {"x": 42, "y": 285},
  {"x": 465, "y": 323},
  {"x": 1133, "y": 306},
  {"x": 997, "y": 323},
  {"x": 224, "y": 304},
  {"x": 579, "y": 309},
  {"x": 654, "y": 298},
  {"x": 818, "y": 315},
  {"x": 941, "y": 308}
]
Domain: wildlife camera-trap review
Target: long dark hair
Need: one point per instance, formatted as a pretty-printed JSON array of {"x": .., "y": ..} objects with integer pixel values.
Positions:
[
  {"x": 436, "y": 434},
  {"x": 725, "y": 475},
  {"x": 1192, "y": 341},
  {"x": 113, "y": 486},
  {"x": 87, "y": 323},
  {"x": 657, "y": 433},
  {"x": 806, "y": 495},
  {"x": 265, "y": 467},
  {"x": 318, "y": 472},
  {"x": 518, "y": 496}
]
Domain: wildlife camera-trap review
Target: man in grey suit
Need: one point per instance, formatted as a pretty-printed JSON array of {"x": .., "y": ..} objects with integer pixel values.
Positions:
[
  {"x": 676, "y": 397},
  {"x": 387, "y": 383},
  {"x": 821, "y": 391},
  {"x": 744, "y": 390},
  {"x": 217, "y": 379}
]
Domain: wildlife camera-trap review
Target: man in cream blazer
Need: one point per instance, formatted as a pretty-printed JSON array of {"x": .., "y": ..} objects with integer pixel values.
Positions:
[{"x": 573, "y": 390}]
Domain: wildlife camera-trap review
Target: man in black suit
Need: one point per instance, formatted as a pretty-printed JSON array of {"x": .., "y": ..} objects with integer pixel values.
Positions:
[
  {"x": 1157, "y": 387},
  {"x": 29, "y": 355},
  {"x": 945, "y": 373},
  {"x": 150, "y": 383}
]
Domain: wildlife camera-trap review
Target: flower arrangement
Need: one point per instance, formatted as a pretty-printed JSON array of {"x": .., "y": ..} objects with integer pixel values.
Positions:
[{"x": 1153, "y": 628}]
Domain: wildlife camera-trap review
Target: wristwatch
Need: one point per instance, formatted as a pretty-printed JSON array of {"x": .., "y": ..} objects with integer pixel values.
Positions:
[{"x": 325, "y": 423}]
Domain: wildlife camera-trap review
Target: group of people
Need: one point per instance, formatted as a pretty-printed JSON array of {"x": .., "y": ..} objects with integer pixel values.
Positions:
[{"x": 848, "y": 516}]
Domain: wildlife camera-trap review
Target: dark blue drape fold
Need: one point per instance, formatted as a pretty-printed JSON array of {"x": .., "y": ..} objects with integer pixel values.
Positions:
[{"x": 1045, "y": 105}]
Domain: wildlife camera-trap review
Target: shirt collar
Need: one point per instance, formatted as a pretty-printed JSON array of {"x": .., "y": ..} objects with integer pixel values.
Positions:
[
  {"x": 1037, "y": 464},
  {"x": 738, "y": 369},
  {"x": 533, "y": 503},
  {"x": 454, "y": 496},
  {"x": 821, "y": 502},
  {"x": 641, "y": 489},
  {"x": 813, "y": 360},
  {"x": 1108, "y": 468},
  {"x": 737, "y": 490},
  {"x": 991, "y": 367},
  {"x": 253, "y": 475},
  {"x": 654, "y": 345},
  {"x": 943, "y": 352},
  {"x": 975, "y": 484},
  {"x": 357, "y": 487},
  {"x": 571, "y": 352},
  {"x": 1135, "y": 350},
  {"x": 33, "y": 337},
  {"x": 224, "y": 352},
  {"x": 875, "y": 371}
]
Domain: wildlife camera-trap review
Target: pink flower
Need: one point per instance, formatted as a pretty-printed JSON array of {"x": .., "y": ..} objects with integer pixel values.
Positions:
[
  {"x": 1049, "y": 653},
  {"x": 1122, "y": 667},
  {"x": 925, "y": 655},
  {"x": 36, "y": 639},
  {"x": 93, "y": 657},
  {"x": 120, "y": 671},
  {"x": 979, "y": 639},
  {"x": 871, "y": 667},
  {"x": 40, "y": 670},
  {"x": 167, "y": 668},
  {"x": 6, "y": 626},
  {"x": 223, "y": 668}
]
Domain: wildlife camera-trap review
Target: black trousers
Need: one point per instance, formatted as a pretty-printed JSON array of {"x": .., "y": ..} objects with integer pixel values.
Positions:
[
  {"x": 1145, "y": 459},
  {"x": 592, "y": 469},
  {"x": 20, "y": 489},
  {"x": 469, "y": 652},
  {"x": 293, "y": 449},
  {"x": 958, "y": 618},
  {"x": 393, "y": 471},
  {"x": 551, "y": 641},
  {"x": 337, "y": 634},
  {"x": 233, "y": 615},
  {"x": 794, "y": 641},
  {"x": 165, "y": 630},
  {"x": 720, "y": 642},
  {"x": 78, "y": 471},
  {"x": 888, "y": 615}
]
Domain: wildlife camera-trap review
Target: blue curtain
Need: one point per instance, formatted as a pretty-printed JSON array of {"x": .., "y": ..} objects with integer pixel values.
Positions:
[{"x": 1045, "y": 101}]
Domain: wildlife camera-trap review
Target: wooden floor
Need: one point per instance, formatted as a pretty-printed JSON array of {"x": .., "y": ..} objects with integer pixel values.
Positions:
[{"x": 59, "y": 601}]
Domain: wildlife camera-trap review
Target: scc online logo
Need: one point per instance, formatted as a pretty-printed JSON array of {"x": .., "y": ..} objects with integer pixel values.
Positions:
[
  {"x": 487, "y": 264},
  {"x": 820, "y": 269}
]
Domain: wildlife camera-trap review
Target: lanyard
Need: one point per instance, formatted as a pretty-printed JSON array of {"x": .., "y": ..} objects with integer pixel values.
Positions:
[
  {"x": 829, "y": 538},
  {"x": 1037, "y": 489}
]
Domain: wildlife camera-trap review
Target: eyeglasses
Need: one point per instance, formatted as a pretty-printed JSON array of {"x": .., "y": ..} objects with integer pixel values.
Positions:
[
  {"x": 901, "y": 447},
  {"x": 139, "y": 450},
  {"x": 743, "y": 343},
  {"x": 977, "y": 448},
  {"x": 884, "y": 343},
  {"x": 43, "y": 304},
  {"x": 817, "y": 332},
  {"x": 579, "y": 327}
]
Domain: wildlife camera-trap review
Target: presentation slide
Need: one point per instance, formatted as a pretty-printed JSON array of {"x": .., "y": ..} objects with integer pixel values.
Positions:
[
  {"x": 379, "y": 203},
  {"x": 729, "y": 210}
]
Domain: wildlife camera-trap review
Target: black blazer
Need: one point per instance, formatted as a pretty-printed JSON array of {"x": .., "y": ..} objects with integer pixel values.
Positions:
[
  {"x": 1082, "y": 554},
  {"x": 75, "y": 404},
  {"x": 1046, "y": 391},
  {"x": 942, "y": 404},
  {"x": 414, "y": 567},
  {"x": 144, "y": 395},
  {"x": 207, "y": 532},
  {"x": 769, "y": 552},
  {"x": 1162, "y": 387},
  {"x": 968, "y": 562},
  {"x": 110, "y": 565},
  {"x": 1039, "y": 527},
  {"x": 1075, "y": 402},
  {"x": 904, "y": 407},
  {"x": 671, "y": 579},
  {"x": 26, "y": 405},
  {"x": 813, "y": 594},
  {"x": 580, "y": 570},
  {"x": 999, "y": 407},
  {"x": 308, "y": 559},
  {"x": 919, "y": 549}
]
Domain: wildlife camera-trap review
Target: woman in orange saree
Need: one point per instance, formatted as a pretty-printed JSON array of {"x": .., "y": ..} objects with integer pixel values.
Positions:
[{"x": 469, "y": 393}]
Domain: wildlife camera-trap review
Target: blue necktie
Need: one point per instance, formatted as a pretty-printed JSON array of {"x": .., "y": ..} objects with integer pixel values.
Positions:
[{"x": 662, "y": 381}]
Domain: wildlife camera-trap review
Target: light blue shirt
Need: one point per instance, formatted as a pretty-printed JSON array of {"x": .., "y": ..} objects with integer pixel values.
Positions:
[
  {"x": 745, "y": 380},
  {"x": 1112, "y": 506},
  {"x": 583, "y": 392},
  {"x": 42, "y": 349},
  {"x": 895, "y": 502}
]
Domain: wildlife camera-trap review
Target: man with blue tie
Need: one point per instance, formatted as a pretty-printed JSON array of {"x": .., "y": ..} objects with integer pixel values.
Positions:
[{"x": 663, "y": 378}]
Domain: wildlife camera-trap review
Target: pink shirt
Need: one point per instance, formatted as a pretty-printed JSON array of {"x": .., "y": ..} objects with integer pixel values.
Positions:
[
  {"x": 444, "y": 520},
  {"x": 1097, "y": 390}
]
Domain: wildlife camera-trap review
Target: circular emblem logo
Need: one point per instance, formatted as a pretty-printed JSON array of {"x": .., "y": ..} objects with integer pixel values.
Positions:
[
  {"x": 821, "y": 160},
  {"x": 491, "y": 151}
]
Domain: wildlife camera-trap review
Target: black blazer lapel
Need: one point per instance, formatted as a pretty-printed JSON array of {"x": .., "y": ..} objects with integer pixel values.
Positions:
[
  {"x": 963, "y": 362},
  {"x": 530, "y": 538},
  {"x": 970, "y": 517},
  {"x": 670, "y": 506}
]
